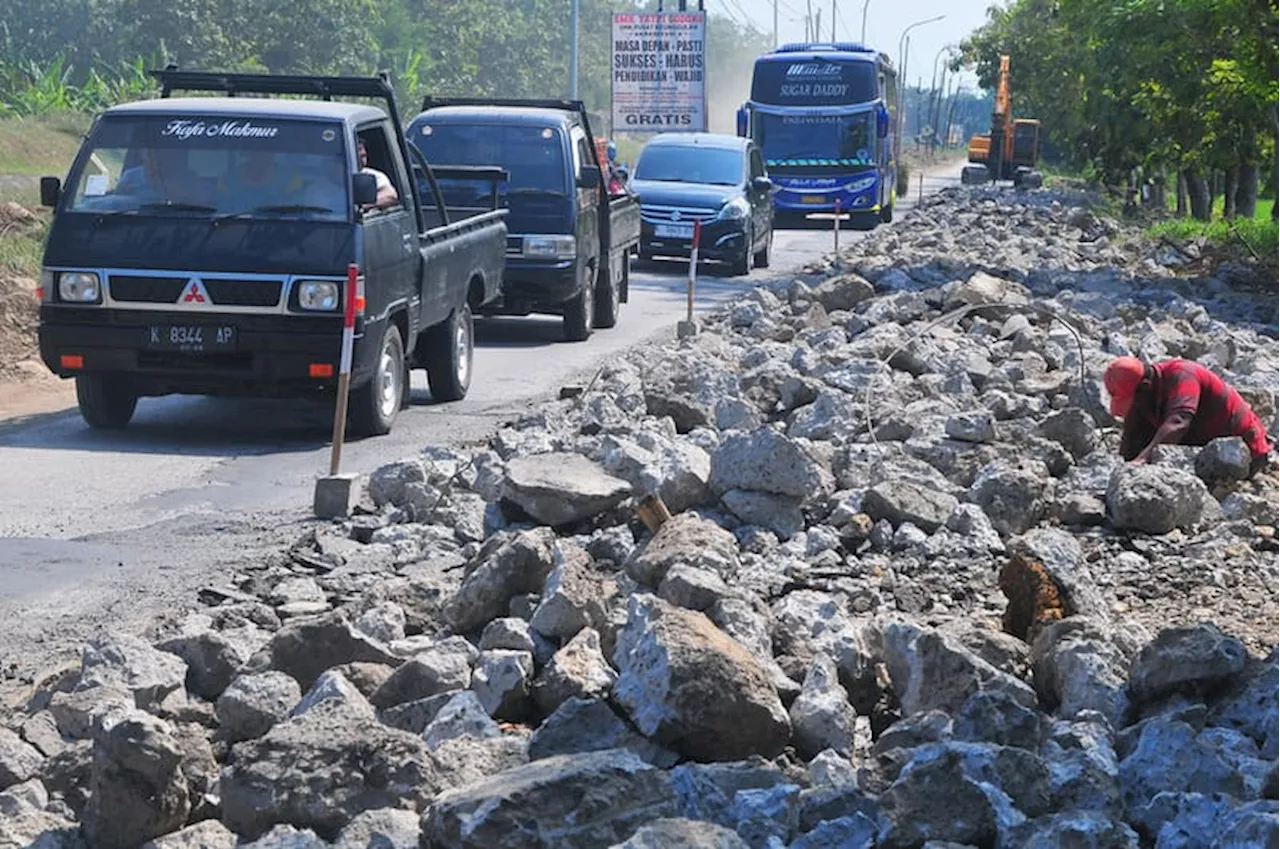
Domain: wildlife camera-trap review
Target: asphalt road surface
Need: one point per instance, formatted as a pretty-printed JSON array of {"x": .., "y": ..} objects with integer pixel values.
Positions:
[{"x": 106, "y": 529}]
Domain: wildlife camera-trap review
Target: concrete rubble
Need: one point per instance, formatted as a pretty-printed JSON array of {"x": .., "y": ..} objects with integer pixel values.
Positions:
[{"x": 908, "y": 595}]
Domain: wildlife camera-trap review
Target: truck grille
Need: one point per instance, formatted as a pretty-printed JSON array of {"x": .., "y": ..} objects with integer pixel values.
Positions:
[
  {"x": 515, "y": 245},
  {"x": 140, "y": 289},
  {"x": 655, "y": 214}
]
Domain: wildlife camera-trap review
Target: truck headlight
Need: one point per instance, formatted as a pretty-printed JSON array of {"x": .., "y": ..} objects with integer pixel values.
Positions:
[
  {"x": 735, "y": 209},
  {"x": 554, "y": 247},
  {"x": 861, "y": 185},
  {"x": 318, "y": 295},
  {"x": 79, "y": 287}
]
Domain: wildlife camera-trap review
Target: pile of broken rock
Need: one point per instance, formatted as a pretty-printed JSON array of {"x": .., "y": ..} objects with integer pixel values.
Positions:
[{"x": 907, "y": 596}]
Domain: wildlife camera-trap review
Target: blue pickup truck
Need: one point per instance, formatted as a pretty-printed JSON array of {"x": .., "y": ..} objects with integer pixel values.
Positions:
[
  {"x": 202, "y": 245},
  {"x": 570, "y": 243}
]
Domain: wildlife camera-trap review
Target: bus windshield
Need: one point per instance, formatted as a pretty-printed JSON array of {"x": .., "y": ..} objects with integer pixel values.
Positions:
[
  {"x": 800, "y": 140},
  {"x": 218, "y": 165},
  {"x": 814, "y": 81}
]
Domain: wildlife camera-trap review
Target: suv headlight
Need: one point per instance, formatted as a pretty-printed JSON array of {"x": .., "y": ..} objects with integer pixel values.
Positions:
[
  {"x": 735, "y": 209},
  {"x": 318, "y": 295},
  {"x": 79, "y": 287},
  {"x": 556, "y": 247},
  {"x": 861, "y": 185}
]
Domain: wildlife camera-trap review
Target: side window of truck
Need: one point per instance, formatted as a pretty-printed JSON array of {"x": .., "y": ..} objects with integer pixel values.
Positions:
[
  {"x": 378, "y": 149},
  {"x": 578, "y": 144}
]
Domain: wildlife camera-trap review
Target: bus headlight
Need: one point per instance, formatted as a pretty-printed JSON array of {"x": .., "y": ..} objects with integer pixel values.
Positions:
[
  {"x": 734, "y": 210},
  {"x": 861, "y": 185},
  {"x": 318, "y": 295},
  {"x": 79, "y": 287}
]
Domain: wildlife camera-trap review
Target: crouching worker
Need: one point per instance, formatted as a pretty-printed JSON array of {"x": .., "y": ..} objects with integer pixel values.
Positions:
[{"x": 1177, "y": 402}]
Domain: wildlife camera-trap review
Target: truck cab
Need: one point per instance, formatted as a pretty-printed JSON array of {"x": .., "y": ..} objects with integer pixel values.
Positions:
[
  {"x": 570, "y": 242},
  {"x": 204, "y": 245}
]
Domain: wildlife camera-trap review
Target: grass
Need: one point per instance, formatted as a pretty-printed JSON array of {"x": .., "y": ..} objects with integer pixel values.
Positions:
[
  {"x": 41, "y": 145},
  {"x": 1258, "y": 236},
  {"x": 20, "y": 254}
]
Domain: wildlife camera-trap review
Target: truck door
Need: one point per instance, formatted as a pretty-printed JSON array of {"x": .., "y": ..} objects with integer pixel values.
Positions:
[
  {"x": 587, "y": 224},
  {"x": 391, "y": 257}
]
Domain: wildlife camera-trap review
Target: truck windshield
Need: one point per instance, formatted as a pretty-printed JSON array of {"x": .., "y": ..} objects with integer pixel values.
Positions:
[
  {"x": 806, "y": 140},
  {"x": 213, "y": 166},
  {"x": 720, "y": 166},
  {"x": 533, "y": 156}
]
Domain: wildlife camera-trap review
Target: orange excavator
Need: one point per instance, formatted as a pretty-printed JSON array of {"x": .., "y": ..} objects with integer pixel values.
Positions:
[{"x": 1012, "y": 148}]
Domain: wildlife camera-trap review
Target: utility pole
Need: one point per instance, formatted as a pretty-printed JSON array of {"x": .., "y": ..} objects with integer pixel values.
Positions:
[
  {"x": 775, "y": 24},
  {"x": 865, "y": 4},
  {"x": 573, "y": 48},
  {"x": 808, "y": 21},
  {"x": 833, "y": 21}
]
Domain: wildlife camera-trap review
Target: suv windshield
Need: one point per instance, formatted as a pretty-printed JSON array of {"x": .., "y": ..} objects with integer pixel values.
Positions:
[
  {"x": 719, "y": 166},
  {"x": 211, "y": 166}
]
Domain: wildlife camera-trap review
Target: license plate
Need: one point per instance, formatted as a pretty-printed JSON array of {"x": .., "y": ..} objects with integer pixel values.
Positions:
[
  {"x": 673, "y": 231},
  {"x": 196, "y": 338},
  {"x": 814, "y": 199}
]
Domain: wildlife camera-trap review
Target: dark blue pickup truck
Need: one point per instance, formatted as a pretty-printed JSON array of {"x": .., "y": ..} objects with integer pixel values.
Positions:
[
  {"x": 570, "y": 243},
  {"x": 202, "y": 245}
]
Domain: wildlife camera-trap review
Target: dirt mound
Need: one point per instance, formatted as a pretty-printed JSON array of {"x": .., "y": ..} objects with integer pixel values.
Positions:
[
  {"x": 18, "y": 313},
  {"x": 15, "y": 216}
]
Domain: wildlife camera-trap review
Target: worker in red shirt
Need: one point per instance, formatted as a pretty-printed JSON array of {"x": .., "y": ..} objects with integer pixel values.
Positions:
[{"x": 1179, "y": 403}]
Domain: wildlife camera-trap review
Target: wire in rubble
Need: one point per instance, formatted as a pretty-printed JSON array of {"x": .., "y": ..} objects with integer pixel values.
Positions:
[{"x": 955, "y": 315}]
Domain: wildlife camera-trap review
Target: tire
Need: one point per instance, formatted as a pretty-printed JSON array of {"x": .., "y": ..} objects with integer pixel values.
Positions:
[
  {"x": 106, "y": 402},
  {"x": 742, "y": 264},
  {"x": 451, "y": 355},
  {"x": 608, "y": 297},
  {"x": 624, "y": 291},
  {"x": 375, "y": 404},
  {"x": 579, "y": 314},
  {"x": 1032, "y": 180},
  {"x": 974, "y": 175},
  {"x": 886, "y": 213},
  {"x": 761, "y": 258}
]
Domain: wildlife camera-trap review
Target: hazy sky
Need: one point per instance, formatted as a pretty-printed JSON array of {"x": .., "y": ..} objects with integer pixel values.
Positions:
[{"x": 886, "y": 19}]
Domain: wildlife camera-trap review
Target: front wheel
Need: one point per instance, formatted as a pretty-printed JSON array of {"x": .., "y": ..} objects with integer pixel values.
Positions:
[
  {"x": 106, "y": 402},
  {"x": 761, "y": 257},
  {"x": 608, "y": 297},
  {"x": 375, "y": 404},
  {"x": 886, "y": 213},
  {"x": 579, "y": 313},
  {"x": 450, "y": 354},
  {"x": 742, "y": 263}
]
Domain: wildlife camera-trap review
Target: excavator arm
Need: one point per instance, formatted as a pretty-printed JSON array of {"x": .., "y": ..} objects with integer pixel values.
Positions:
[{"x": 1011, "y": 148}]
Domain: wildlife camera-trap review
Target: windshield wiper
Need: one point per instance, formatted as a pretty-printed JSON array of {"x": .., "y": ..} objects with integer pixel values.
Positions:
[
  {"x": 176, "y": 206},
  {"x": 532, "y": 191},
  {"x": 276, "y": 209}
]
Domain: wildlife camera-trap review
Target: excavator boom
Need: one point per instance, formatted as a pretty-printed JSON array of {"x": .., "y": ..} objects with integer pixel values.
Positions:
[{"x": 1011, "y": 149}]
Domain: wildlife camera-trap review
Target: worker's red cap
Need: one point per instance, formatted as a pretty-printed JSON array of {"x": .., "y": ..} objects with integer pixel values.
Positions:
[{"x": 1121, "y": 380}]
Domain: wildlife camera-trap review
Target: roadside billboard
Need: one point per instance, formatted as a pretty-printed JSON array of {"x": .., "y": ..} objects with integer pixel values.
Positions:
[{"x": 659, "y": 72}]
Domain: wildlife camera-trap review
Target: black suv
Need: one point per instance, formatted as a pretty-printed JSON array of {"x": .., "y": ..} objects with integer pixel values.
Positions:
[{"x": 717, "y": 180}]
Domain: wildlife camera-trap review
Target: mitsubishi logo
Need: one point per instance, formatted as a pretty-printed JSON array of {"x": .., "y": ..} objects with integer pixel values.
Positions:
[
  {"x": 675, "y": 216},
  {"x": 195, "y": 293}
]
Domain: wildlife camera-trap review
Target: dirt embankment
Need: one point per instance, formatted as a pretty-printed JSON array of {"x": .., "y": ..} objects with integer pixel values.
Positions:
[{"x": 18, "y": 307}]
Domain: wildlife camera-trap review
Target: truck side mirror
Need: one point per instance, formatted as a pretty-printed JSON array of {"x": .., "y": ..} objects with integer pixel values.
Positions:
[
  {"x": 882, "y": 121},
  {"x": 364, "y": 189},
  {"x": 762, "y": 184},
  {"x": 50, "y": 191},
  {"x": 590, "y": 178},
  {"x": 742, "y": 121}
]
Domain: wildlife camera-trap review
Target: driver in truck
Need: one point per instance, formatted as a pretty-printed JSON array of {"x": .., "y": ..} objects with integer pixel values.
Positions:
[{"x": 387, "y": 194}]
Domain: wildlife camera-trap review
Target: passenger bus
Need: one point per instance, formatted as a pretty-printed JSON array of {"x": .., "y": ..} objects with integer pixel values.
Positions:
[{"x": 823, "y": 114}]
